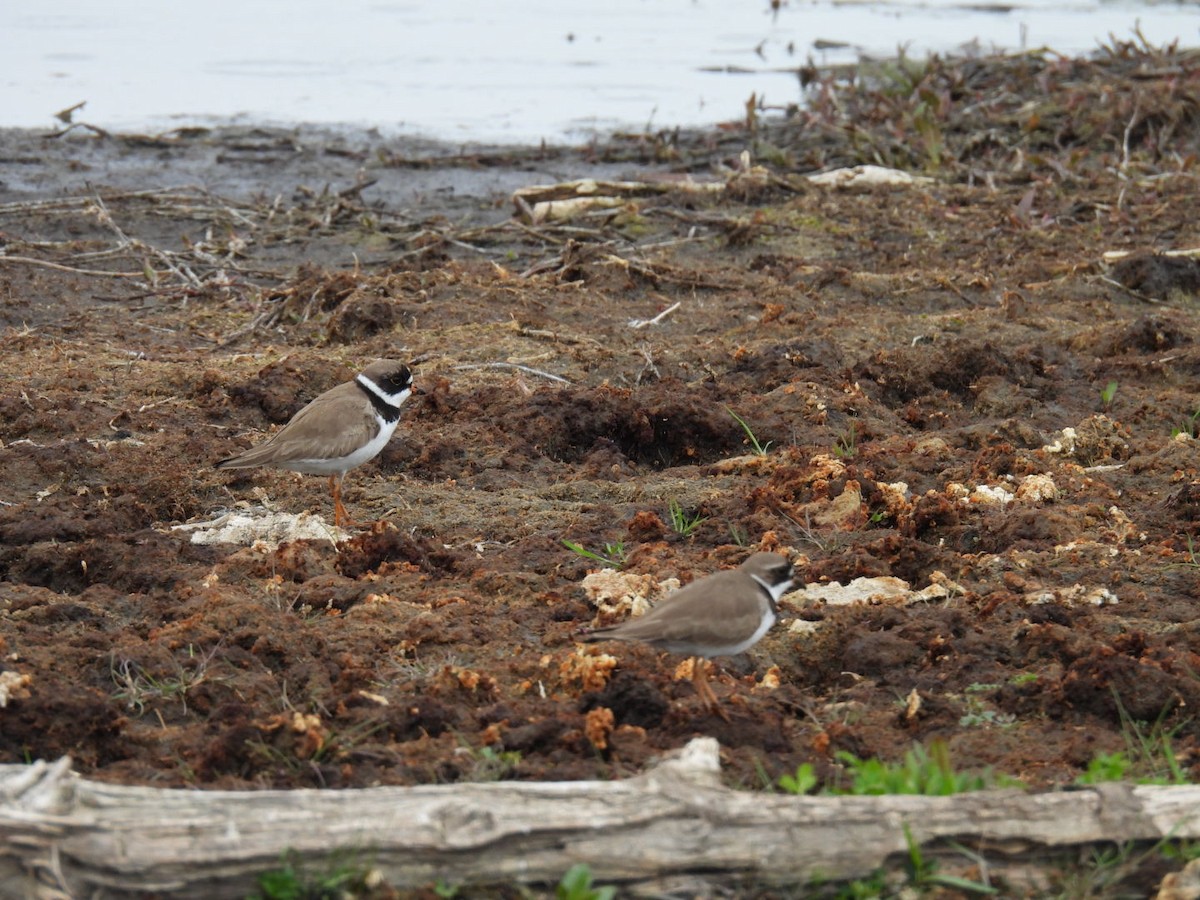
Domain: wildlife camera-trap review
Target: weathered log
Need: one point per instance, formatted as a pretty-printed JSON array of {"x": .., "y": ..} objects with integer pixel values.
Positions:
[{"x": 64, "y": 836}]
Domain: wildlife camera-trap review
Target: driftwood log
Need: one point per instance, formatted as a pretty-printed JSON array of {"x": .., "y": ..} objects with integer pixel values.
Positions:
[{"x": 673, "y": 827}]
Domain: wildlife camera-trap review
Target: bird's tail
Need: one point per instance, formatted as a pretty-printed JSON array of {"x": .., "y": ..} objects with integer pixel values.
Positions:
[
  {"x": 589, "y": 635},
  {"x": 255, "y": 456}
]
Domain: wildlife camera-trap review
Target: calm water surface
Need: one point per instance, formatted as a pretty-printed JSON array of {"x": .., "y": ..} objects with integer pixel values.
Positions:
[{"x": 469, "y": 70}]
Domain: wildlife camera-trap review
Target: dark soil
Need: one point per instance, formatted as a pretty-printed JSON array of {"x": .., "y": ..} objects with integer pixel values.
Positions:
[{"x": 940, "y": 335}]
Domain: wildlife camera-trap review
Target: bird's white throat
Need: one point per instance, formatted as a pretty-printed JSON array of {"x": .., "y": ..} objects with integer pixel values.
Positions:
[
  {"x": 390, "y": 399},
  {"x": 775, "y": 590}
]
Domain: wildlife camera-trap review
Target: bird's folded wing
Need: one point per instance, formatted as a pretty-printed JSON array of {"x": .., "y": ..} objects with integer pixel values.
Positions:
[{"x": 317, "y": 432}]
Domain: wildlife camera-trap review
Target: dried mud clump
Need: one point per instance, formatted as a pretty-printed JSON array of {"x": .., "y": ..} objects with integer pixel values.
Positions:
[{"x": 1159, "y": 276}]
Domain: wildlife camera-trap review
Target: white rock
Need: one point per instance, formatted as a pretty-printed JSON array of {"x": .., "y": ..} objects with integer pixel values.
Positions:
[
  {"x": 627, "y": 593},
  {"x": 270, "y": 529},
  {"x": 1037, "y": 489}
]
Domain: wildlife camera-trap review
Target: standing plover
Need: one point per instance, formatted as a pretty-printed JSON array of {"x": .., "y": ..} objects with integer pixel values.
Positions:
[{"x": 342, "y": 428}]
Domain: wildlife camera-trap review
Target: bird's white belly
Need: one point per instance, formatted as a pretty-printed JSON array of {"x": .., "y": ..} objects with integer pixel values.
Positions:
[
  {"x": 342, "y": 464},
  {"x": 741, "y": 647}
]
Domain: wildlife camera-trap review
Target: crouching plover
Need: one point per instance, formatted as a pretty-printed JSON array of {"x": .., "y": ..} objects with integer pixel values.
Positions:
[{"x": 721, "y": 615}]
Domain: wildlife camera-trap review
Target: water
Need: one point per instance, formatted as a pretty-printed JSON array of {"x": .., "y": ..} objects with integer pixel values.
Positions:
[{"x": 478, "y": 70}]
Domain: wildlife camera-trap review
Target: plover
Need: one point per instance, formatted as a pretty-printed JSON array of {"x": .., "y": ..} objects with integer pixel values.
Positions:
[
  {"x": 342, "y": 428},
  {"x": 721, "y": 615}
]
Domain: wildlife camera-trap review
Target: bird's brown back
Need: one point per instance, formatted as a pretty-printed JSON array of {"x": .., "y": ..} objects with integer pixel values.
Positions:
[
  {"x": 334, "y": 424},
  {"x": 722, "y": 609}
]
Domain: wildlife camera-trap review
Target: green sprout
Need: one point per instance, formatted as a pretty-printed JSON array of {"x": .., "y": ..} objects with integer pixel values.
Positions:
[
  {"x": 802, "y": 782},
  {"x": 739, "y": 535},
  {"x": 577, "y": 885},
  {"x": 1188, "y": 426},
  {"x": 683, "y": 524},
  {"x": 613, "y": 555},
  {"x": 1107, "y": 395},
  {"x": 928, "y": 772},
  {"x": 759, "y": 449},
  {"x": 845, "y": 446}
]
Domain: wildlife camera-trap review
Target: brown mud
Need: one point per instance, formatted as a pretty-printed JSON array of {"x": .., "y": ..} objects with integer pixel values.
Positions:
[{"x": 167, "y": 301}]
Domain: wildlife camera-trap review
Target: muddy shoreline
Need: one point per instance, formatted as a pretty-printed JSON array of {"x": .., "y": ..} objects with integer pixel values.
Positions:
[{"x": 966, "y": 388}]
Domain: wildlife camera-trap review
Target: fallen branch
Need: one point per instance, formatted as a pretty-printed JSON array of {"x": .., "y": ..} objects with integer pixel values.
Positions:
[
  {"x": 30, "y": 261},
  {"x": 61, "y": 835}
]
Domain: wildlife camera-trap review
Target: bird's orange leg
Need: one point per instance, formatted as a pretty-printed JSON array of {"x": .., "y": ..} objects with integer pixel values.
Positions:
[
  {"x": 703, "y": 689},
  {"x": 340, "y": 516}
]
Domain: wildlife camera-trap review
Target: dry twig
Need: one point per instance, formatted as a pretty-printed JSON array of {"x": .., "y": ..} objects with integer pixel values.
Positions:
[{"x": 507, "y": 365}]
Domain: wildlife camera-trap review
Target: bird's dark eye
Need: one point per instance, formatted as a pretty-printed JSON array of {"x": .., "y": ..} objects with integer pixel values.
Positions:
[{"x": 397, "y": 381}]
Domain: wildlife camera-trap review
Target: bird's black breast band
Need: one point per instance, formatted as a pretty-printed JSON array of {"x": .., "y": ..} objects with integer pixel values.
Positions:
[{"x": 386, "y": 410}]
